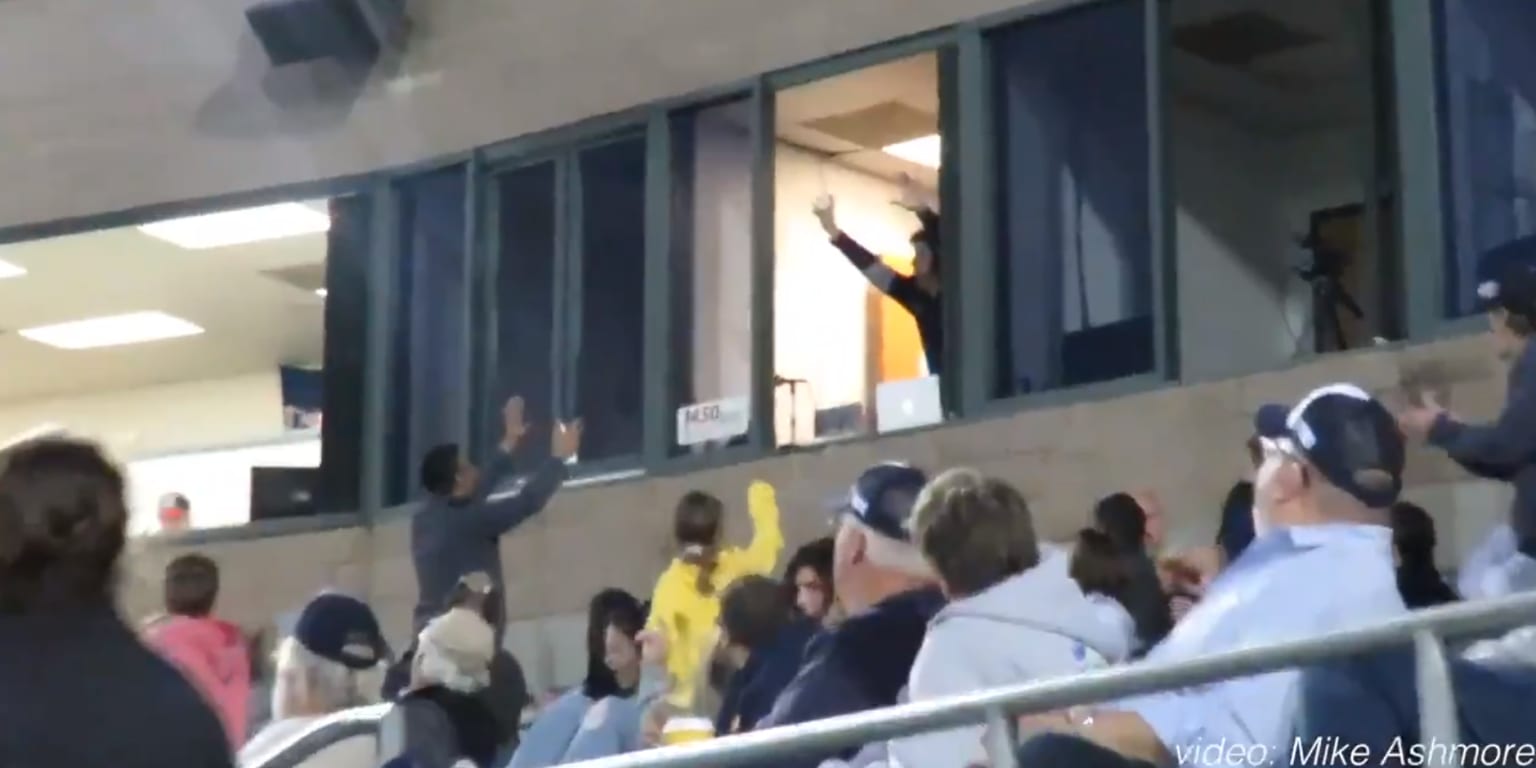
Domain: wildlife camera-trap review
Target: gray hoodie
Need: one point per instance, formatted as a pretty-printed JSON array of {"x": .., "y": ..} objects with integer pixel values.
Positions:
[{"x": 1033, "y": 626}]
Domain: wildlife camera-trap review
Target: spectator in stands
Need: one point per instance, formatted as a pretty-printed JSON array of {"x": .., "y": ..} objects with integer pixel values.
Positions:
[
  {"x": 458, "y": 529},
  {"x": 1506, "y": 449},
  {"x": 507, "y": 694},
  {"x": 211, "y": 652},
  {"x": 1120, "y": 517},
  {"x": 1101, "y": 573},
  {"x": 1322, "y": 561},
  {"x": 889, "y": 595},
  {"x": 330, "y": 663},
  {"x": 1186, "y": 575},
  {"x": 175, "y": 513},
  {"x": 920, "y": 293},
  {"x": 808, "y": 577},
  {"x": 1012, "y": 618},
  {"x": 1413, "y": 550},
  {"x": 685, "y": 605},
  {"x": 763, "y": 639},
  {"x": 442, "y": 718},
  {"x": 77, "y": 688},
  {"x": 550, "y": 739}
]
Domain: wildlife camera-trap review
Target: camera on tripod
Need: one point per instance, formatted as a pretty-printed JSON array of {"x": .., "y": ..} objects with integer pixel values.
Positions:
[{"x": 1325, "y": 274}]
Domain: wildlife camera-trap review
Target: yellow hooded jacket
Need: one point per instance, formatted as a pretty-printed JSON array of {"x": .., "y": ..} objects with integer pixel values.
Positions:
[{"x": 686, "y": 618}]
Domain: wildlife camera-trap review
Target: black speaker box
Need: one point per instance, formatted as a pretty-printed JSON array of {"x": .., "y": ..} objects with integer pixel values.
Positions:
[{"x": 349, "y": 31}]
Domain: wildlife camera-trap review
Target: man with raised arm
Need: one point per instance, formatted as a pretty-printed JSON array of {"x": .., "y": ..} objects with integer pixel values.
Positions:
[
  {"x": 458, "y": 529},
  {"x": 919, "y": 294}
]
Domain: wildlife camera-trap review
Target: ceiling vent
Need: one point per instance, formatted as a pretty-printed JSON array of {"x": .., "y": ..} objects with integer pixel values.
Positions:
[
  {"x": 1239, "y": 39},
  {"x": 309, "y": 278},
  {"x": 878, "y": 125}
]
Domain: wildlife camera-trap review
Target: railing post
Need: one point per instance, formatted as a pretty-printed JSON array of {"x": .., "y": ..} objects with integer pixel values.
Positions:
[
  {"x": 1438, "y": 730},
  {"x": 1001, "y": 741}
]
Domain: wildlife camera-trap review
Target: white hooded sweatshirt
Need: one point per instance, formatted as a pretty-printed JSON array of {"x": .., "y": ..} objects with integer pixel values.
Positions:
[{"x": 1033, "y": 626}]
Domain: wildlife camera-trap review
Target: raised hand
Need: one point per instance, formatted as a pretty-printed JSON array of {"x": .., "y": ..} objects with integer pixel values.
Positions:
[
  {"x": 514, "y": 424},
  {"x": 826, "y": 213},
  {"x": 565, "y": 439}
]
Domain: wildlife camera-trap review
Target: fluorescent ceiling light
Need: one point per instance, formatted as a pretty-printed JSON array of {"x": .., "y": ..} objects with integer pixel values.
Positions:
[
  {"x": 8, "y": 270},
  {"x": 248, "y": 225},
  {"x": 923, "y": 150},
  {"x": 321, "y": 292},
  {"x": 112, "y": 331}
]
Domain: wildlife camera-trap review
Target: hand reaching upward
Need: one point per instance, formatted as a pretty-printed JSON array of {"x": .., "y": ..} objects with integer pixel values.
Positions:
[
  {"x": 565, "y": 439},
  {"x": 514, "y": 424},
  {"x": 826, "y": 213}
]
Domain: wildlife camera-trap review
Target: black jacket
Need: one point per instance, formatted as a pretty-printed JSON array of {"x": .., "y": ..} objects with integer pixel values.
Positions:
[
  {"x": 78, "y": 689},
  {"x": 858, "y": 665},
  {"x": 754, "y": 688},
  {"x": 434, "y": 727},
  {"x": 927, "y": 308},
  {"x": 1505, "y": 449}
]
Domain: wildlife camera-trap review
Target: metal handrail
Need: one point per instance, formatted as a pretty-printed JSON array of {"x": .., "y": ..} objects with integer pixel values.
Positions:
[
  {"x": 332, "y": 729},
  {"x": 1425, "y": 629}
]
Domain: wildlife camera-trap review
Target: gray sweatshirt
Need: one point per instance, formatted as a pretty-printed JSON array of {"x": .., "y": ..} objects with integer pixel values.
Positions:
[
  {"x": 1033, "y": 626},
  {"x": 452, "y": 538}
]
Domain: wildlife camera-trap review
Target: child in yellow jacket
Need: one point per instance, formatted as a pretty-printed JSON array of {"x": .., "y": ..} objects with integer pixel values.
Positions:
[{"x": 686, "y": 602}]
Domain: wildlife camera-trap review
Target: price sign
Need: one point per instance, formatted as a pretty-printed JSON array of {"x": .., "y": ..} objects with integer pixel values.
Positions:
[{"x": 712, "y": 421}]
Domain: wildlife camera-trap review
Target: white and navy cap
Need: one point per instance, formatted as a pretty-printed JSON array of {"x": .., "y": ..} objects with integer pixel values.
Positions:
[
  {"x": 1347, "y": 435},
  {"x": 883, "y": 496},
  {"x": 1506, "y": 276}
]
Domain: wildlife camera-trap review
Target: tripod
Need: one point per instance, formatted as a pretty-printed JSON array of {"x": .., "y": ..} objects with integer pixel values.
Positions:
[{"x": 1329, "y": 298}]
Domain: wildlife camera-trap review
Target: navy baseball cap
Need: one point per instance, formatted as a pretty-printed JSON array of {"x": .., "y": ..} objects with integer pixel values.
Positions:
[
  {"x": 882, "y": 498},
  {"x": 342, "y": 629},
  {"x": 1506, "y": 276},
  {"x": 1347, "y": 435}
]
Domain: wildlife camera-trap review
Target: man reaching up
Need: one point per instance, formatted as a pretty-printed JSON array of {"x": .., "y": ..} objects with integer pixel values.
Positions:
[{"x": 458, "y": 529}]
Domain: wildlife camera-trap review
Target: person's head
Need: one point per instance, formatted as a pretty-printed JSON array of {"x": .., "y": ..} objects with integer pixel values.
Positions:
[
  {"x": 447, "y": 474},
  {"x": 1413, "y": 536},
  {"x": 873, "y": 553},
  {"x": 334, "y": 659},
  {"x": 191, "y": 586},
  {"x": 1097, "y": 565},
  {"x": 925, "y": 254},
  {"x": 600, "y": 681},
  {"x": 752, "y": 612},
  {"x": 1507, "y": 289},
  {"x": 476, "y": 592},
  {"x": 454, "y": 651},
  {"x": 697, "y": 525},
  {"x": 1236, "y": 531},
  {"x": 1120, "y": 517},
  {"x": 1152, "y": 518},
  {"x": 621, "y": 650},
  {"x": 175, "y": 513},
  {"x": 1337, "y": 456},
  {"x": 63, "y": 523},
  {"x": 808, "y": 578},
  {"x": 976, "y": 531}
]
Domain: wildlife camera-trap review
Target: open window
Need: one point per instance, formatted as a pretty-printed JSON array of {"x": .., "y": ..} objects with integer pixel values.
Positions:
[
  {"x": 858, "y": 324},
  {"x": 1282, "y": 180},
  {"x": 217, "y": 356}
]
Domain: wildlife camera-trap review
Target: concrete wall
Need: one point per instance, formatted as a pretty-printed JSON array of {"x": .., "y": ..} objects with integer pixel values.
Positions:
[
  {"x": 1185, "y": 442},
  {"x": 106, "y": 106}
]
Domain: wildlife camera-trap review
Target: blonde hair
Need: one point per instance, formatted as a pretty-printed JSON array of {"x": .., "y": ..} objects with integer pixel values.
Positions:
[{"x": 304, "y": 677}]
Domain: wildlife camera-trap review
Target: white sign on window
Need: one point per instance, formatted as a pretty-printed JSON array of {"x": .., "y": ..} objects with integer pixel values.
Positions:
[{"x": 716, "y": 420}]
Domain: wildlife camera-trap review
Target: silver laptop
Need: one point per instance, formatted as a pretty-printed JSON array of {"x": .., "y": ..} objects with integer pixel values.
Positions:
[{"x": 908, "y": 404}]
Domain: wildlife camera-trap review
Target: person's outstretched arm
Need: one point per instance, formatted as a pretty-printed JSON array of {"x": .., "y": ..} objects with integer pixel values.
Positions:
[
  {"x": 496, "y": 516},
  {"x": 762, "y": 553},
  {"x": 883, "y": 278},
  {"x": 1509, "y": 441}
]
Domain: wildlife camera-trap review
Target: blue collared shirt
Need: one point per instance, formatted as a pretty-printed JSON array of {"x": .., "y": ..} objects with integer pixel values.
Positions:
[{"x": 1289, "y": 584}]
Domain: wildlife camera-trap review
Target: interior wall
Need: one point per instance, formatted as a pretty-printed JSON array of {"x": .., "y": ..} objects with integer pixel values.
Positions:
[
  {"x": 1242, "y": 198},
  {"x": 154, "y": 421},
  {"x": 820, "y": 310}
]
